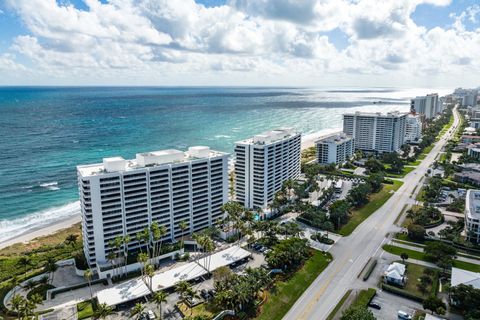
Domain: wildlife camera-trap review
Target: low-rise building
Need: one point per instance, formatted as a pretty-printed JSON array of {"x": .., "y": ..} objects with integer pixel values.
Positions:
[
  {"x": 474, "y": 151},
  {"x": 337, "y": 148},
  {"x": 395, "y": 274},
  {"x": 472, "y": 215},
  {"x": 469, "y": 278},
  {"x": 472, "y": 178},
  {"x": 469, "y": 138}
]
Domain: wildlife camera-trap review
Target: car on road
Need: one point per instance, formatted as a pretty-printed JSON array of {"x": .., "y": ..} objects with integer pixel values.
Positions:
[
  {"x": 375, "y": 305},
  {"x": 150, "y": 315},
  {"x": 402, "y": 315}
]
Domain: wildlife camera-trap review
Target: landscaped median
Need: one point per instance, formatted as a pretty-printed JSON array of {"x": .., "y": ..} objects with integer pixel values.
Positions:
[
  {"x": 376, "y": 200},
  {"x": 284, "y": 294},
  {"x": 362, "y": 300},
  {"x": 417, "y": 255}
]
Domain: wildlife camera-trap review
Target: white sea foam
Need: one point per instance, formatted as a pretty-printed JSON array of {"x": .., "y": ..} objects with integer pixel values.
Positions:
[
  {"x": 36, "y": 220},
  {"x": 50, "y": 185},
  {"x": 222, "y": 136}
]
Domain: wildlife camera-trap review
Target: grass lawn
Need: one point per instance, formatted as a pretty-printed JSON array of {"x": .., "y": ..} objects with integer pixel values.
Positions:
[
  {"x": 204, "y": 309},
  {"x": 420, "y": 195},
  {"x": 376, "y": 201},
  {"x": 414, "y": 163},
  {"x": 284, "y": 294},
  {"x": 414, "y": 272},
  {"x": 426, "y": 151},
  {"x": 339, "y": 305},
  {"x": 405, "y": 171},
  {"x": 85, "y": 310},
  {"x": 412, "y": 254},
  {"x": 364, "y": 297}
]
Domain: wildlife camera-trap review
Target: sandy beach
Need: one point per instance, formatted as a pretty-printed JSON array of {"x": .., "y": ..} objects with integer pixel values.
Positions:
[
  {"x": 308, "y": 141},
  {"x": 47, "y": 230}
]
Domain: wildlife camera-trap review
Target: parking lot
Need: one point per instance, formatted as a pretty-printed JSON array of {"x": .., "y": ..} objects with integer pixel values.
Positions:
[{"x": 391, "y": 304}]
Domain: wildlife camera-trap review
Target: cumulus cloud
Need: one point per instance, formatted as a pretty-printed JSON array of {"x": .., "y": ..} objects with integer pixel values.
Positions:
[{"x": 166, "y": 38}]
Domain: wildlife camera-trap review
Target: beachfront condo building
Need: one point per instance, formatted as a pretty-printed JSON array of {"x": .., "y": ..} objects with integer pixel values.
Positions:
[
  {"x": 472, "y": 215},
  {"x": 413, "y": 128},
  {"x": 376, "y": 132},
  {"x": 121, "y": 197},
  {"x": 263, "y": 163},
  {"x": 336, "y": 148},
  {"x": 427, "y": 105}
]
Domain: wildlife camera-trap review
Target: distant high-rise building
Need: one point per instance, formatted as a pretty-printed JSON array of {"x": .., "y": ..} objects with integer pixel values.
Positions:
[
  {"x": 121, "y": 197},
  {"x": 413, "y": 128},
  {"x": 337, "y": 148},
  {"x": 469, "y": 99},
  {"x": 376, "y": 132},
  {"x": 263, "y": 163},
  {"x": 472, "y": 215},
  {"x": 427, "y": 105}
]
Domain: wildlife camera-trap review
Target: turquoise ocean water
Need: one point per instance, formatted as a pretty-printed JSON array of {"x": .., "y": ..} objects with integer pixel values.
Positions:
[{"x": 46, "y": 132}]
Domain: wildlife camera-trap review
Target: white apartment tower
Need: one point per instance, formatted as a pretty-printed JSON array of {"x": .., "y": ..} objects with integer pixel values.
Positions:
[
  {"x": 427, "y": 105},
  {"x": 376, "y": 132},
  {"x": 263, "y": 163},
  {"x": 413, "y": 128},
  {"x": 472, "y": 215},
  {"x": 336, "y": 148},
  {"x": 121, "y": 197}
]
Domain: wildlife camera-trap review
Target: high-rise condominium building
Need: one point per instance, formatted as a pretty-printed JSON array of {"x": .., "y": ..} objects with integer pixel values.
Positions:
[
  {"x": 336, "y": 148},
  {"x": 263, "y": 163},
  {"x": 427, "y": 105},
  {"x": 121, "y": 197},
  {"x": 376, "y": 132},
  {"x": 472, "y": 214},
  {"x": 413, "y": 128}
]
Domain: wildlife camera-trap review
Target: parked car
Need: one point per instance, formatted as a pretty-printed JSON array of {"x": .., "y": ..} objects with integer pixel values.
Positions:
[
  {"x": 150, "y": 315},
  {"x": 375, "y": 305},
  {"x": 204, "y": 294},
  {"x": 403, "y": 315}
]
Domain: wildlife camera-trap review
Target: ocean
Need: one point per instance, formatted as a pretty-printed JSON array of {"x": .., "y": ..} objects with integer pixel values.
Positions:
[{"x": 45, "y": 132}]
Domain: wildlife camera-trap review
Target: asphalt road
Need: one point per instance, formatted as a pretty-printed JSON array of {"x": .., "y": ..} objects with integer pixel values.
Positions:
[{"x": 352, "y": 253}]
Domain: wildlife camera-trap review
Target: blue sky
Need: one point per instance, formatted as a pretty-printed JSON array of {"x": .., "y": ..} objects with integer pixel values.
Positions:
[{"x": 238, "y": 41}]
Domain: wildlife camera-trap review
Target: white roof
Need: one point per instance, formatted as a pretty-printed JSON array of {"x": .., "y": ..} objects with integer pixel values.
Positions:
[
  {"x": 170, "y": 277},
  {"x": 431, "y": 317},
  {"x": 398, "y": 267},
  {"x": 460, "y": 276},
  {"x": 136, "y": 288},
  {"x": 224, "y": 258},
  {"x": 123, "y": 292},
  {"x": 394, "y": 274}
]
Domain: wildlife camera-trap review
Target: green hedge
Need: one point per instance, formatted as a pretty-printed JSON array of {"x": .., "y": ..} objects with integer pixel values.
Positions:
[
  {"x": 401, "y": 292},
  {"x": 370, "y": 269}
]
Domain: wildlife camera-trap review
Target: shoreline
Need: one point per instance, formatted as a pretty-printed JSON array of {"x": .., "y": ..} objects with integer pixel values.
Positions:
[{"x": 308, "y": 140}]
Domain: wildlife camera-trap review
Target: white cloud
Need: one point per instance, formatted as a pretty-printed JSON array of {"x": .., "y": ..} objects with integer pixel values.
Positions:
[{"x": 157, "y": 40}]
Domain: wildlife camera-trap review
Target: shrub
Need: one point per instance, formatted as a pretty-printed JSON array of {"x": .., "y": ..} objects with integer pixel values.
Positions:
[
  {"x": 370, "y": 270},
  {"x": 416, "y": 232}
]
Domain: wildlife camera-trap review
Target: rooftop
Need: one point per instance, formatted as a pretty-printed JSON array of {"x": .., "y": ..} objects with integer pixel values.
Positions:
[
  {"x": 136, "y": 288},
  {"x": 460, "y": 276},
  {"x": 472, "y": 204},
  {"x": 147, "y": 159},
  {"x": 393, "y": 114},
  {"x": 336, "y": 138},
  {"x": 270, "y": 136}
]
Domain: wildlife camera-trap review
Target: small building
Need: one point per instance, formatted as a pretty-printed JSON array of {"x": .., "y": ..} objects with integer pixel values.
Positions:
[
  {"x": 469, "y": 278},
  {"x": 474, "y": 151},
  {"x": 337, "y": 148},
  {"x": 395, "y": 274},
  {"x": 469, "y": 138},
  {"x": 468, "y": 177}
]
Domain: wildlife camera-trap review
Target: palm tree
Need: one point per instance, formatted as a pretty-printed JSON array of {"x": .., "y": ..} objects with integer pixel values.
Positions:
[
  {"x": 190, "y": 295},
  {"x": 125, "y": 240},
  {"x": 182, "y": 225},
  {"x": 181, "y": 288},
  {"x": 149, "y": 272},
  {"x": 137, "y": 310},
  {"x": 158, "y": 298},
  {"x": 71, "y": 240},
  {"x": 36, "y": 299},
  {"x": 16, "y": 303},
  {"x": 51, "y": 267},
  {"x": 111, "y": 259},
  {"x": 142, "y": 258},
  {"x": 88, "y": 274},
  {"x": 24, "y": 262},
  {"x": 146, "y": 239},
  {"x": 102, "y": 311}
]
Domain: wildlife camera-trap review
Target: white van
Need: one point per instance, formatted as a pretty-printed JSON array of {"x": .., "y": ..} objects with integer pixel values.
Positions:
[{"x": 403, "y": 315}]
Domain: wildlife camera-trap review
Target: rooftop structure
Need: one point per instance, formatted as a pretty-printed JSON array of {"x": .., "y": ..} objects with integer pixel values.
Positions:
[
  {"x": 469, "y": 278},
  {"x": 269, "y": 137},
  {"x": 137, "y": 288}
]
